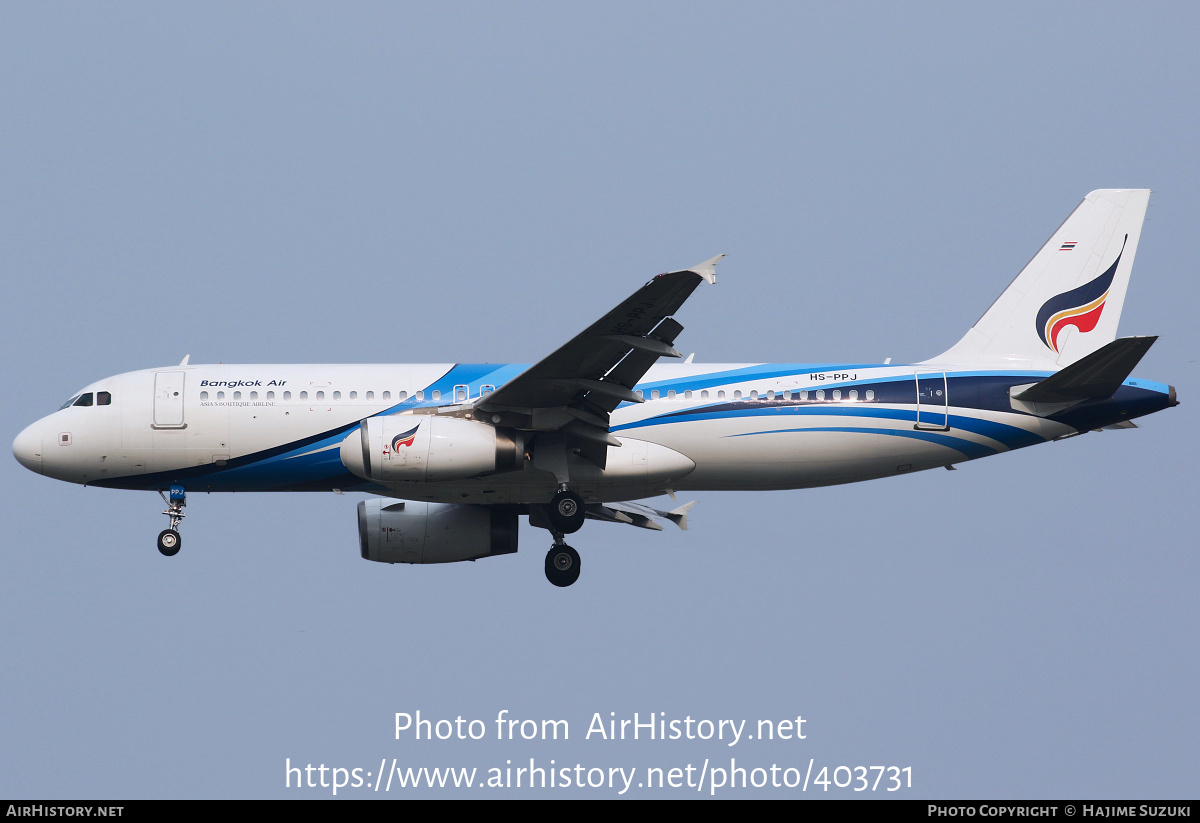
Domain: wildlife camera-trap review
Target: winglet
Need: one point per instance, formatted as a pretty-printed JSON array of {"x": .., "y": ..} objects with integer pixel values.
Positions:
[
  {"x": 708, "y": 269},
  {"x": 183, "y": 362},
  {"x": 679, "y": 516}
]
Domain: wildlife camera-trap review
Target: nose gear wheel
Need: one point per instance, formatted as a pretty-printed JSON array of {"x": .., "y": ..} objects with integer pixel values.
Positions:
[{"x": 169, "y": 542}]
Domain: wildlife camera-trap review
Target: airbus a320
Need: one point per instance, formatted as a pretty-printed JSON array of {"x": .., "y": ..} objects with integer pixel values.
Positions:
[{"x": 456, "y": 454}]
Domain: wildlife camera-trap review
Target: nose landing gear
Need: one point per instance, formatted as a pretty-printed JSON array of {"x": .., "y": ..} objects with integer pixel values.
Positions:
[{"x": 169, "y": 541}]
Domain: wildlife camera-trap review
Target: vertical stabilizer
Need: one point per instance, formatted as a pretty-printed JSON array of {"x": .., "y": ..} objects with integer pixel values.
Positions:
[{"x": 1065, "y": 304}]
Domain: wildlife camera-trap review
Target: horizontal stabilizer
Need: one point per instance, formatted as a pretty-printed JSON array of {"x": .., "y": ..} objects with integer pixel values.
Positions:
[{"x": 1096, "y": 376}]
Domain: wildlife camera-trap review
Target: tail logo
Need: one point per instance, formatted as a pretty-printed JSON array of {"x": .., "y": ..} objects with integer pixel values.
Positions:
[
  {"x": 406, "y": 438},
  {"x": 1080, "y": 307}
]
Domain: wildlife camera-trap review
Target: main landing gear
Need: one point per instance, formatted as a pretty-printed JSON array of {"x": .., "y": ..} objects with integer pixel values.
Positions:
[
  {"x": 565, "y": 514},
  {"x": 566, "y": 511},
  {"x": 169, "y": 541},
  {"x": 562, "y": 563}
]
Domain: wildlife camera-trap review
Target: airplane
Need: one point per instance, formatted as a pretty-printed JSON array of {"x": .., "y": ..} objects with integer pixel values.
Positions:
[{"x": 457, "y": 453}]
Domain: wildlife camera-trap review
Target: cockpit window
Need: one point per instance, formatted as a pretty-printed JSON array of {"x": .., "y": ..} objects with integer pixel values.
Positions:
[
  {"x": 103, "y": 398},
  {"x": 69, "y": 403},
  {"x": 84, "y": 400}
]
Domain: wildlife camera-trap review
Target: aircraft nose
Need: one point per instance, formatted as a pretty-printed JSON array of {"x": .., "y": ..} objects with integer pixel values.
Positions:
[{"x": 27, "y": 448}]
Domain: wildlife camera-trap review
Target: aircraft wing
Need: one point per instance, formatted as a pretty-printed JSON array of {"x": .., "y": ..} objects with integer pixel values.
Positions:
[
  {"x": 574, "y": 389},
  {"x": 639, "y": 514}
]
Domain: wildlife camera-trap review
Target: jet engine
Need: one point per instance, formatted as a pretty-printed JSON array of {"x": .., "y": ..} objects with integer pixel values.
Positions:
[
  {"x": 392, "y": 531},
  {"x": 429, "y": 448}
]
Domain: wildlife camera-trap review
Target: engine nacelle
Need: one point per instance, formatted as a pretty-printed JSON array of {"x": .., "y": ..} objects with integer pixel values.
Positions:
[
  {"x": 393, "y": 531},
  {"x": 426, "y": 447}
]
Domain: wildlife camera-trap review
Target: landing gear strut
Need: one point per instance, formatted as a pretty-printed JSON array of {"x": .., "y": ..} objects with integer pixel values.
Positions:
[
  {"x": 566, "y": 511},
  {"x": 562, "y": 563},
  {"x": 169, "y": 541}
]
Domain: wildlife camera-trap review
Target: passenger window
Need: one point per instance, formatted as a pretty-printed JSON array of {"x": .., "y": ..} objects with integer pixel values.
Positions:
[
  {"x": 420, "y": 395},
  {"x": 687, "y": 395},
  {"x": 84, "y": 400},
  {"x": 638, "y": 393},
  {"x": 870, "y": 394},
  {"x": 804, "y": 395},
  {"x": 437, "y": 395},
  {"x": 721, "y": 395},
  {"x": 337, "y": 395},
  {"x": 103, "y": 398},
  {"x": 287, "y": 395},
  {"x": 303, "y": 395},
  {"x": 253, "y": 395},
  {"x": 402, "y": 395},
  {"x": 270, "y": 395},
  {"x": 853, "y": 394},
  {"x": 220, "y": 395},
  {"x": 754, "y": 395},
  {"x": 653, "y": 394},
  {"x": 460, "y": 395},
  {"x": 820, "y": 394},
  {"x": 737, "y": 395},
  {"x": 704, "y": 394},
  {"x": 387, "y": 395},
  {"x": 671, "y": 394},
  {"x": 320, "y": 395},
  {"x": 837, "y": 394},
  {"x": 203, "y": 395},
  {"x": 787, "y": 395},
  {"x": 237, "y": 395}
]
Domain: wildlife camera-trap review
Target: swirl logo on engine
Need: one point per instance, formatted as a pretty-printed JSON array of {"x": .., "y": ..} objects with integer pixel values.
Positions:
[{"x": 405, "y": 439}]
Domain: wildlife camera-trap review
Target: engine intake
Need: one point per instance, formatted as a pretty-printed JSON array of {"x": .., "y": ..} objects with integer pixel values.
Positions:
[{"x": 405, "y": 532}]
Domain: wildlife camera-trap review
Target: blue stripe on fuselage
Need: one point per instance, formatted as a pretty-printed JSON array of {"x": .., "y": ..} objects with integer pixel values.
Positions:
[
  {"x": 967, "y": 448},
  {"x": 1013, "y": 437}
]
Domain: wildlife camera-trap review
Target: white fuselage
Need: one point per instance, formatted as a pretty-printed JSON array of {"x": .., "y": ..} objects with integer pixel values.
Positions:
[{"x": 702, "y": 426}]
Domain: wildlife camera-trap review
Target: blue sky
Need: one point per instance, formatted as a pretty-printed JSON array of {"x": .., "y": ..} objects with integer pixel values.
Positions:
[{"x": 478, "y": 182}]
